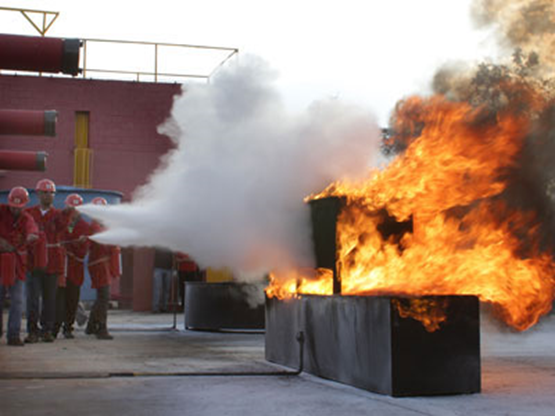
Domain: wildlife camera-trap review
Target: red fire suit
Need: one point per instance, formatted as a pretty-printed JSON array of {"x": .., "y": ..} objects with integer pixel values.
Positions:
[
  {"x": 13, "y": 265},
  {"x": 51, "y": 225},
  {"x": 188, "y": 271},
  {"x": 103, "y": 261},
  {"x": 76, "y": 250},
  {"x": 103, "y": 267},
  {"x": 185, "y": 263},
  {"x": 74, "y": 240},
  {"x": 47, "y": 264}
]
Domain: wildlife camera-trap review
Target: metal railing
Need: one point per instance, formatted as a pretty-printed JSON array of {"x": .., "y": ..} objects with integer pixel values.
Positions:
[
  {"x": 27, "y": 15},
  {"x": 155, "y": 71},
  {"x": 152, "y": 70}
]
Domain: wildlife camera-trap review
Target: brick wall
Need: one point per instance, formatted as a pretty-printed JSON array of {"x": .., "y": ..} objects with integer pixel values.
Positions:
[{"x": 122, "y": 128}]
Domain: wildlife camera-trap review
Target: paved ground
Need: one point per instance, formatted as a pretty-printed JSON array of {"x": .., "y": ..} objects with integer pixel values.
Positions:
[{"x": 80, "y": 376}]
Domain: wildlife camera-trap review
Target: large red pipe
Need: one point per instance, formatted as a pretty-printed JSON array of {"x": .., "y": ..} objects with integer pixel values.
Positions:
[
  {"x": 28, "y": 122},
  {"x": 20, "y": 160},
  {"x": 39, "y": 54}
]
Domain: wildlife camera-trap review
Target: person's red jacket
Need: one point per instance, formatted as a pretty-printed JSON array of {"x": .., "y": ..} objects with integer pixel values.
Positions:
[
  {"x": 14, "y": 264},
  {"x": 185, "y": 263},
  {"x": 76, "y": 247},
  {"x": 101, "y": 260},
  {"x": 51, "y": 225}
]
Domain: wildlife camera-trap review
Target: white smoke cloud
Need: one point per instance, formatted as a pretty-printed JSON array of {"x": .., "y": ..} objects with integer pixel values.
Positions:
[{"x": 231, "y": 193}]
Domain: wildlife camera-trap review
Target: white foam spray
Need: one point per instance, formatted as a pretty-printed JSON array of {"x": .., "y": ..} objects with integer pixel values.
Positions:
[{"x": 231, "y": 193}]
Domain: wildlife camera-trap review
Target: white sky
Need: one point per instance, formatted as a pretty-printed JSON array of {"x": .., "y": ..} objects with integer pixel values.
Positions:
[{"x": 367, "y": 52}]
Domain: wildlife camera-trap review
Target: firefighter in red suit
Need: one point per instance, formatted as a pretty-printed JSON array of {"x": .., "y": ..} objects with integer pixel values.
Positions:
[
  {"x": 188, "y": 271},
  {"x": 17, "y": 231},
  {"x": 103, "y": 266},
  {"x": 76, "y": 244},
  {"x": 46, "y": 264}
]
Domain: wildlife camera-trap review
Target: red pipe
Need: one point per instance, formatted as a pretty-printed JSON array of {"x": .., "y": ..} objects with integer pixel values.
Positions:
[
  {"x": 39, "y": 54},
  {"x": 20, "y": 160},
  {"x": 28, "y": 122}
]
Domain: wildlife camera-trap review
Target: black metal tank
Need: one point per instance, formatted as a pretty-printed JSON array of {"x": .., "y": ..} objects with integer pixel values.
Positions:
[{"x": 224, "y": 306}]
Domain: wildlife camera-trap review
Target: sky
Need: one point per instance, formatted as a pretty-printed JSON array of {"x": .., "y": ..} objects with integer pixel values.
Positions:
[{"x": 370, "y": 53}]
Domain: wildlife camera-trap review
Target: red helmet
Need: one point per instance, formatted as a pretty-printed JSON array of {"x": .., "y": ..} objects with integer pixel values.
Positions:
[
  {"x": 74, "y": 200},
  {"x": 45, "y": 185},
  {"x": 18, "y": 197},
  {"x": 99, "y": 201}
]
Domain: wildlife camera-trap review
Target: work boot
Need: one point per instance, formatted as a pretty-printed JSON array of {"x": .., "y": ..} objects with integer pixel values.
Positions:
[
  {"x": 68, "y": 331},
  {"x": 15, "y": 342},
  {"x": 92, "y": 327},
  {"x": 32, "y": 338},
  {"x": 57, "y": 329},
  {"x": 47, "y": 337},
  {"x": 103, "y": 333}
]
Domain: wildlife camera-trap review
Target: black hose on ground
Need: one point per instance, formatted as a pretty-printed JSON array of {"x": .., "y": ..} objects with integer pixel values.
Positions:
[
  {"x": 85, "y": 375},
  {"x": 300, "y": 340}
]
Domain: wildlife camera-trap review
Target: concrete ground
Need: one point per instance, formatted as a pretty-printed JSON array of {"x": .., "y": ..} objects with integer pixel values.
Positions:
[{"x": 132, "y": 375}]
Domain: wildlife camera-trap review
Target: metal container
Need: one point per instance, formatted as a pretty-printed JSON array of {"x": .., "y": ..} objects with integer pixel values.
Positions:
[
  {"x": 324, "y": 213},
  {"x": 40, "y": 54},
  {"x": 364, "y": 342},
  {"x": 28, "y": 122},
  {"x": 62, "y": 191},
  {"x": 22, "y": 160},
  {"x": 223, "y": 306}
]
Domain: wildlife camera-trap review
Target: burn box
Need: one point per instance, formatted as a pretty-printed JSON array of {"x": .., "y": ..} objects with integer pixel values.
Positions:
[
  {"x": 364, "y": 342},
  {"x": 223, "y": 306}
]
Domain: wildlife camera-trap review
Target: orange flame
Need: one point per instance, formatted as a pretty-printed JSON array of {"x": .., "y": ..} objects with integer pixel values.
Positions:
[
  {"x": 463, "y": 240},
  {"x": 289, "y": 283},
  {"x": 431, "y": 312}
]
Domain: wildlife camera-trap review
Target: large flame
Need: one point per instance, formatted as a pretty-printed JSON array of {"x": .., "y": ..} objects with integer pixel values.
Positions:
[{"x": 465, "y": 238}]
